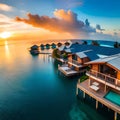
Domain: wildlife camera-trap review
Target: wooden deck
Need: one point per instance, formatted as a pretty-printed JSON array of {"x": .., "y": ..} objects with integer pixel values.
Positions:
[
  {"x": 61, "y": 60},
  {"x": 105, "y": 79},
  {"x": 75, "y": 63},
  {"x": 97, "y": 95},
  {"x": 67, "y": 71},
  {"x": 45, "y": 53}
]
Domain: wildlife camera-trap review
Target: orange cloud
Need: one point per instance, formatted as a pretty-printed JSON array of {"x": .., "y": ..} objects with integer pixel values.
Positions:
[
  {"x": 23, "y": 31},
  {"x": 68, "y": 16},
  {"x": 5, "y": 7},
  {"x": 64, "y": 21}
]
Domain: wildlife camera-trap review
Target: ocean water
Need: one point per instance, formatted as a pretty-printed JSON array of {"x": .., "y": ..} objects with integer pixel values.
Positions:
[{"x": 31, "y": 88}]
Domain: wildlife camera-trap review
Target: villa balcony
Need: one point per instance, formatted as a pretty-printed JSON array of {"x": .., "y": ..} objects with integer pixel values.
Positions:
[
  {"x": 105, "y": 79},
  {"x": 75, "y": 63}
]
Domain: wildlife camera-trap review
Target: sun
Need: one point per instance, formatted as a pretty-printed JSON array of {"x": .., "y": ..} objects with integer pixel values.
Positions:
[{"x": 5, "y": 34}]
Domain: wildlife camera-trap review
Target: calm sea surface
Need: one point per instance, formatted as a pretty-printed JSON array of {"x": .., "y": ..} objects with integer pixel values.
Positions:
[{"x": 32, "y": 89}]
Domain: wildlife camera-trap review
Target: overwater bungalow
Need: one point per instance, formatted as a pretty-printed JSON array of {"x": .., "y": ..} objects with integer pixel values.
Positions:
[
  {"x": 47, "y": 46},
  {"x": 106, "y": 71},
  {"x": 79, "y": 54},
  {"x": 104, "y": 82},
  {"x": 59, "y": 44},
  {"x": 76, "y": 62},
  {"x": 34, "y": 50},
  {"x": 78, "y": 59},
  {"x": 34, "y": 47},
  {"x": 67, "y": 43},
  {"x": 42, "y": 47},
  {"x": 53, "y": 45}
]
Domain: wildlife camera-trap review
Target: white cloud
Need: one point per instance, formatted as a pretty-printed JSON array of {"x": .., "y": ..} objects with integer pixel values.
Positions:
[
  {"x": 9, "y": 24},
  {"x": 5, "y": 7},
  {"x": 64, "y": 21}
]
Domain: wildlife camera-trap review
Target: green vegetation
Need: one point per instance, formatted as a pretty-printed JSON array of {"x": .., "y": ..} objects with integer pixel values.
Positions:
[
  {"x": 55, "y": 53},
  {"x": 95, "y": 43},
  {"x": 85, "y": 43},
  {"x": 65, "y": 55},
  {"x": 83, "y": 78},
  {"x": 88, "y": 68},
  {"x": 116, "y": 45}
]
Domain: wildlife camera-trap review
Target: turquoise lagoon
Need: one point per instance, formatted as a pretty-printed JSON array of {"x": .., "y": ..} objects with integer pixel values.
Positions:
[{"x": 31, "y": 88}]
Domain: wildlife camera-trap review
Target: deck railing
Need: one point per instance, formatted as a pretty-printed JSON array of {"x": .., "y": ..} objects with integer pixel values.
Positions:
[
  {"x": 74, "y": 62},
  {"x": 106, "y": 78}
]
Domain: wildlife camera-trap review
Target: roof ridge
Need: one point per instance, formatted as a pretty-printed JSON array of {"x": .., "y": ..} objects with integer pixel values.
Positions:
[
  {"x": 115, "y": 56},
  {"x": 84, "y": 51}
]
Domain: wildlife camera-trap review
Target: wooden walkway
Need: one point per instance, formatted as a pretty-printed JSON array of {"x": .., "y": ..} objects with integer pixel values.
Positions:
[
  {"x": 67, "y": 71},
  {"x": 98, "y": 96},
  {"x": 45, "y": 53}
]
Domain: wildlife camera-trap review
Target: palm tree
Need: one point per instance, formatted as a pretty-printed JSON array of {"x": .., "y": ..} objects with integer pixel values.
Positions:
[
  {"x": 85, "y": 43},
  {"x": 95, "y": 43},
  {"x": 116, "y": 45},
  {"x": 55, "y": 53}
]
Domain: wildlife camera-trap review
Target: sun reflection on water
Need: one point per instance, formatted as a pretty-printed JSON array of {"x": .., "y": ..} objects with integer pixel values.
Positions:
[{"x": 7, "y": 51}]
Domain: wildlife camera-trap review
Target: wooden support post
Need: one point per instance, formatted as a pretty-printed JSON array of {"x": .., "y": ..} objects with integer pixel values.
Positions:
[
  {"x": 89, "y": 82},
  {"x": 115, "y": 116},
  {"x": 84, "y": 95},
  {"x": 105, "y": 88},
  {"x": 76, "y": 91},
  {"x": 96, "y": 104},
  {"x": 116, "y": 82}
]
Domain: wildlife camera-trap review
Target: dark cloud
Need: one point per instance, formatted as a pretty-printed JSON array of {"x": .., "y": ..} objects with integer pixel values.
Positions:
[
  {"x": 87, "y": 28},
  {"x": 98, "y": 27},
  {"x": 87, "y": 22},
  {"x": 64, "y": 21}
]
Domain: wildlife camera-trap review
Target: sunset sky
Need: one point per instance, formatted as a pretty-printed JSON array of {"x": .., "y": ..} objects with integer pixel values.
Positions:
[{"x": 59, "y": 19}]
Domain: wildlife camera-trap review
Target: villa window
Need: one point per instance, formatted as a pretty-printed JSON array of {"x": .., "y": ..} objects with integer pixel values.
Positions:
[
  {"x": 107, "y": 70},
  {"x": 74, "y": 57}
]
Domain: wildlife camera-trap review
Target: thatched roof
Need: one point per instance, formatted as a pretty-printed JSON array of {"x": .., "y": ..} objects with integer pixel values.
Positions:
[
  {"x": 59, "y": 44},
  {"x": 47, "y": 45},
  {"x": 41, "y": 45},
  {"x": 53, "y": 44},
  {"x": 34, "y": 47}
]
